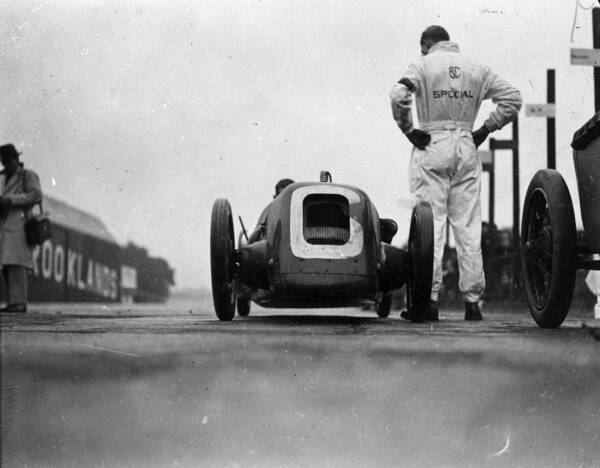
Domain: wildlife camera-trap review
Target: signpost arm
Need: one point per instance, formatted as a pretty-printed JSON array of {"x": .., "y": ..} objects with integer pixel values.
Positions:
[{"x": 551, "y": 121}]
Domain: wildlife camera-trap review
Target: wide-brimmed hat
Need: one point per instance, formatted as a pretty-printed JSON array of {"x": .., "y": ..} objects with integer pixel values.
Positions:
[{"x": 9, "y": 150}]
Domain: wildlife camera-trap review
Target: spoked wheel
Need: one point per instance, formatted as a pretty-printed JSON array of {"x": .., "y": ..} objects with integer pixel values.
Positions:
[
  {"x": 222, "y": 259},
  {"x": 243, "y": 306},
  {"x": 384, "y": 307},
  {"x": 548, "y": 248},
  {"x": 420, "y": 251}
]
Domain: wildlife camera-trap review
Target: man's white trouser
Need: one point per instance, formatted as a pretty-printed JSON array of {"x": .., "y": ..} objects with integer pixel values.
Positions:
[{"x": 447, "y": 174}]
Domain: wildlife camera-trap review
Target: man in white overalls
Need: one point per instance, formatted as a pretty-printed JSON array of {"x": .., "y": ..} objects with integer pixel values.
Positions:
[{"x": 445, "y": 169}]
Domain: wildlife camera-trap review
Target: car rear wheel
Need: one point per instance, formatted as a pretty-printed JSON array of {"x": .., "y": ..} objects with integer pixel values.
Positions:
[
  {"x": 222, "y": 259},
  {"x": 420, "y": 251},
  {"x": 548, "y": 248}
]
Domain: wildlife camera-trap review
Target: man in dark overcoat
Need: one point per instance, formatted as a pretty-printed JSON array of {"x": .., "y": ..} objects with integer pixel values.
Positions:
[{"x": 19, "y": 191}]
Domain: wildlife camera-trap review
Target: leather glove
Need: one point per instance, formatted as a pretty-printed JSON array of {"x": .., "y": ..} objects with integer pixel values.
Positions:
[
  {"x": 419, "y": 138},
  {"x": 480, "y": 135}
]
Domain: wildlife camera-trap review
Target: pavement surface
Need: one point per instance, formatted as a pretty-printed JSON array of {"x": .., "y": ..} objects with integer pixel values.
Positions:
[{"x": 158, "y": 386}]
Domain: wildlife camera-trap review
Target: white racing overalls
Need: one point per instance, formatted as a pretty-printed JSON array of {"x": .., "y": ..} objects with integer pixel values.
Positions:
[{"x": 449, "y": 88}]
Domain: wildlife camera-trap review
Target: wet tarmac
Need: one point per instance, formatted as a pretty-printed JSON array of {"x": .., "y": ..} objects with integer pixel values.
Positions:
[{"x": 158, "y": 386}]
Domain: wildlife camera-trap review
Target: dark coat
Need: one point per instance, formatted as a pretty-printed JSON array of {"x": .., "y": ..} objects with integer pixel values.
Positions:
[{"x": 24, "y": 191}]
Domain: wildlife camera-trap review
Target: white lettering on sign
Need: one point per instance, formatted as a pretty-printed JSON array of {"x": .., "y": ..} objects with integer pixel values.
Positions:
[
  {"x": 80, "y": 281},
  {"x": 71, "y": 260},
  {"x": 90, "y": 276},
  {"x": 540, "y": 110},
  {"x": 36, "y": 260},
  {"x": 50, "y": 262},
  {"x": 59, "y": 263},
  {"x": 128, "y": 277},
  {"x": 47, "y": 259},
  {"x": 585, "y": 57}
]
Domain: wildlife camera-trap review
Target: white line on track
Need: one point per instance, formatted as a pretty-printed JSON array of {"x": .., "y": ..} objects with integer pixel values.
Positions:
[{"x": 110, "y": 350}]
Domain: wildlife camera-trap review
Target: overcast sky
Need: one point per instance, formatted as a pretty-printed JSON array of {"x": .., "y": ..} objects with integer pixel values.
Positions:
[{"x": 144, "y": 113}]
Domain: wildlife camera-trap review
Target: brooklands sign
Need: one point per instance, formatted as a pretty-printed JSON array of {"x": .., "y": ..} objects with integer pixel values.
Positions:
[{"x": 71, "y": 266}]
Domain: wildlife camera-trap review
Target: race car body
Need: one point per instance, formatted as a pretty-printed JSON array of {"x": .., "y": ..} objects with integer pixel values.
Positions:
[{"x": 319, "y": 245}]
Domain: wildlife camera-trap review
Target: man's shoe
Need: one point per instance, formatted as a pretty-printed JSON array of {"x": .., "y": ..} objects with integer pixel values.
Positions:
[
  {"x": 472, "y": 311},
  {"x": 433, "y": 312},
  {"x": 412, "y": 316},
  {"x": 14, "y": 309}
]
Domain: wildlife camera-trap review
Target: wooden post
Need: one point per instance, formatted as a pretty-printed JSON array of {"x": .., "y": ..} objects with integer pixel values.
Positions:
[
  {"x": 516, "y": 211},
  {"x": 514, "y": 146},
  {"x": 492, "y": 198}
]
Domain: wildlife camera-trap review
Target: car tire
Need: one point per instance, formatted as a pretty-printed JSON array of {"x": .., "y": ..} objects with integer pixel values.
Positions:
[
  {"x": 420, "y": 250},
  {"x": 243, "y": 306},
  {"x": 548, "y": 248},
  {"x": 222, "y": 259}
]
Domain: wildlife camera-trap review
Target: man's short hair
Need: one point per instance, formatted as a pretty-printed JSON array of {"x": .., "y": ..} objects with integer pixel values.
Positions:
[
  {"x": 283, "y": 183},
  {"x": 435, "y": 34}
]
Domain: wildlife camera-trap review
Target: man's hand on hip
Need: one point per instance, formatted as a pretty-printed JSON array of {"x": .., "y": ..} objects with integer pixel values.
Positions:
[
  {"x": 480, "y": 135},
  {"x": 419, "y": 138}
]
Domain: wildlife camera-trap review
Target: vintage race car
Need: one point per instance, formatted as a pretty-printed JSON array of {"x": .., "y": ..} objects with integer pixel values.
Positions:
[
  {"x": 550, "y": 251},
  {"x": 319, "y": 244}
]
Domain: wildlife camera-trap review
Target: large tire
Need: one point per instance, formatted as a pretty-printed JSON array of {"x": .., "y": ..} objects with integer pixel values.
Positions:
[
  {"x": 420, "y": 250},
  {"x": 243, "y": 306},
  {"x": 548, "y": 248},
  {"x": 222, "y": 259}
]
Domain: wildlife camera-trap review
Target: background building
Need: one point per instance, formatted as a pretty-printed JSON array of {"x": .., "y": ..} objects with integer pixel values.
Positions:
[{"x": 82, "y": 262}]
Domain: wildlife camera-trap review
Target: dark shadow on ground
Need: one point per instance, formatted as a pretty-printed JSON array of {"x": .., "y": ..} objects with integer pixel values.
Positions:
[{"x": 310, "y": 320}]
